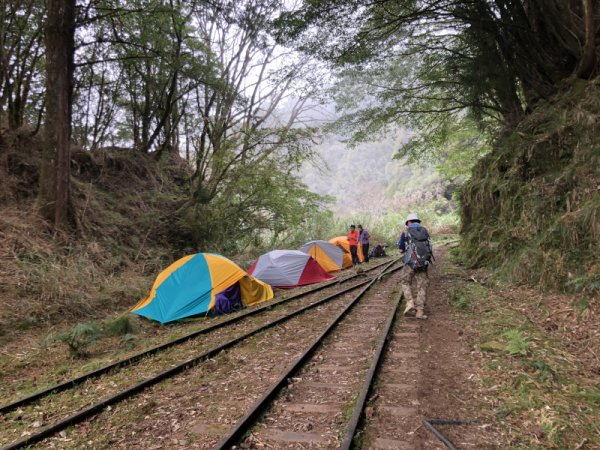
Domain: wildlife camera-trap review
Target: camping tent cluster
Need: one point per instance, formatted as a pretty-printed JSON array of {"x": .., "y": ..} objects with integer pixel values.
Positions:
[
  {"x": 207, "y": 283},
  {"x": 313, "y": 263}
]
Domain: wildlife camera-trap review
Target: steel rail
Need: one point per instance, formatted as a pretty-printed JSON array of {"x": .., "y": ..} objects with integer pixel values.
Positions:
[
  {"x": 261, "y": 404},
  {"x": 65, "y": 385},
  {"x": 368, "y": 382},
  {"x": 126, "y": 393},
  {"x": 451, "y": 422},
  {"x": 429, "y": 424},
  {"x": 449, "y": 445}
]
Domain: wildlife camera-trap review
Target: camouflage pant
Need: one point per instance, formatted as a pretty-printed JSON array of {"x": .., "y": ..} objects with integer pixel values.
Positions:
[{"x": 407, "y": 275}]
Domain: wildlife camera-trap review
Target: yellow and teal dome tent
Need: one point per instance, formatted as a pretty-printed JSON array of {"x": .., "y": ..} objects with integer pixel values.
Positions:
[{"x": 194, "y": 285}]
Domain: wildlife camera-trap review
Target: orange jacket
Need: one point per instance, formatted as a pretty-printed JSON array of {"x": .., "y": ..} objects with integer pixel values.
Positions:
[{"x": 352, "y": 237}]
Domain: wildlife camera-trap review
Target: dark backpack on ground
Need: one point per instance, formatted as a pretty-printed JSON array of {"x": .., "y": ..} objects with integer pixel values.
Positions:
[
  {"x": 377, "y": 252},
  {"x": 419, "y": 254}
]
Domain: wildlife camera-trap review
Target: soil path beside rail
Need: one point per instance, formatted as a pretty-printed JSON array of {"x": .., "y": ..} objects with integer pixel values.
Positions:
[{"x": 427, "y": 373}]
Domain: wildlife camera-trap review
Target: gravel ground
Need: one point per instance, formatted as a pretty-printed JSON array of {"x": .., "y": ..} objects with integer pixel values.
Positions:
[{"x": 315, "y": 408}]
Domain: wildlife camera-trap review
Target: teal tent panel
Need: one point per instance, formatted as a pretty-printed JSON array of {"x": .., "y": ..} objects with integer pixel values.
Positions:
[{"x": 186, "y": 292}]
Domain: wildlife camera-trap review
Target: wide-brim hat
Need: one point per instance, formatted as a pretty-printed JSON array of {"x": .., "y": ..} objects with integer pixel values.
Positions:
[{"x": 412, "y": 217}]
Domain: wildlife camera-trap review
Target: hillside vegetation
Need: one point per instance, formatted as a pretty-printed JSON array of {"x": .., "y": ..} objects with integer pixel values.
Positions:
[
  {"x": 125, "y": 233},
  {"x": 532, "y": 207}
]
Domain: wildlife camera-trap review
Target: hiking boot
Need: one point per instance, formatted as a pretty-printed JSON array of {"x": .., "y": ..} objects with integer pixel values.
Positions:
[
  {"x": 420, "y": 314},
  {"x": 410, "y": 309}
]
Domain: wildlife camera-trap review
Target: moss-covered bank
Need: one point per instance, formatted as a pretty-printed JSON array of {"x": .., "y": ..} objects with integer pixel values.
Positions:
[{"x": 532, "y": 207}]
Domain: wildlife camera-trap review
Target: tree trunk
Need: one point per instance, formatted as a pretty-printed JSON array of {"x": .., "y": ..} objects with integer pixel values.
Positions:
[
  {"x": 588, "y": 57},
  {"x": 55, "y": 176}
]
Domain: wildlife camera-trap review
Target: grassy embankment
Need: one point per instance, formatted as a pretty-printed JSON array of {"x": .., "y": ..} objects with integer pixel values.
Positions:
[{"x": 537, "y": 355}]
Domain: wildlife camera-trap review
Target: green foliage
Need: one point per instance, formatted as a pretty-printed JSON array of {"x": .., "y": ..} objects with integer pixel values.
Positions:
[
  {"x": 22, "y": 63},
  {"x": 582, "y": 304},
  {"x": 260, "y": 206},
  {"x": 433, "y": 218},
  {"x": 576, "y": 284},
  {"x": 128, "y": 341},
  {"x": 317, "y": 223},
  {"x": 591, "y": 394},
  {"x": 83, "y": 335},
  {"x": 531, "y": 209},
  {"x": 121, "y": 326},
  {"x": 136, "y": 79},
  {"x": 454, "y": 140},
  {"x": 517, "y": 342},
  {"x": 544, "y": 372},
  {"x": 437, "y": 81},
  {"x": 458, "y": 299},
  {"x": 80, "y": 338},
  {"x": 63, "y": 369},
  {"x": 460, "y": 147},
  {"x": 484, "y": 56}
]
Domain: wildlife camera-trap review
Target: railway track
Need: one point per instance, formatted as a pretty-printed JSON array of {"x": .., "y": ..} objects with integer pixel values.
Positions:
[
  {"x": 235, "y": 318},
  {"x": 82, "y": 393},
  {"x": 327, "y": 386},
  {"x": 321, "y": 400}
]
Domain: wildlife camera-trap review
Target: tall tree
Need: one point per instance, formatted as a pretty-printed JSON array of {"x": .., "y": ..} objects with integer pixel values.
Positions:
[
  {"x": 247, "y": 135},
  {"x": 21, "y": 50},
  {"x": 239, "y": 121},
  {"x": 156, "y": 74},
  {"x": 55, "y": 176}
]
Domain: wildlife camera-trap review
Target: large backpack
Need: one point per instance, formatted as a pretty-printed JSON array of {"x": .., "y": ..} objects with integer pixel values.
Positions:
[
  {"x": 419, "y": 254},
  {"x": 377, "y": 251},
  {"x": 229, "y": 300}
]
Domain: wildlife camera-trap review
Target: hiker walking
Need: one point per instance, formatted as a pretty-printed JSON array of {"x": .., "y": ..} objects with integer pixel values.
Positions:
[
  {"x": 415, "y": 245},
  {"x": 352, "y": 237},
  {"x": 363, "y": 240}
]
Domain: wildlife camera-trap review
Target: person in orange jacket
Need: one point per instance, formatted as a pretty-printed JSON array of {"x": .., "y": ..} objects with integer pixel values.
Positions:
[{"x": 352, "y": 237}]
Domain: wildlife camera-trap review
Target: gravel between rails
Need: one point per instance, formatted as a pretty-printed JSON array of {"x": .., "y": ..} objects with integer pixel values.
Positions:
[{"x": 314, "y": 410}]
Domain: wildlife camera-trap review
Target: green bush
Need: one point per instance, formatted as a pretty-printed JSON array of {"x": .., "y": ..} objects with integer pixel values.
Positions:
[
  {"x": 517, "y": 343},
  {"x": 121, "y": 326},
  {"x": 80, "y": 338},
  {"x": 458, "y": 299},
  {"x": 531, "y": 209}
]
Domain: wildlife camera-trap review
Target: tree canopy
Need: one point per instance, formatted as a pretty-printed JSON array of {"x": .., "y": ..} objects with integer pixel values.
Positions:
[{"x": 431, "y": 63}]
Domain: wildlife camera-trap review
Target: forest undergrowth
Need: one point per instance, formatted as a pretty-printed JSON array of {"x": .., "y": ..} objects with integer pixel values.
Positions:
[
  {"x": 122, "y": 235},
  {"x": 537, "y": 358}
]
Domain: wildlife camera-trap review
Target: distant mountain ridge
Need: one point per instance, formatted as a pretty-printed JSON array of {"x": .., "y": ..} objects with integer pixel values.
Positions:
[{"x": 367, "y": 178}]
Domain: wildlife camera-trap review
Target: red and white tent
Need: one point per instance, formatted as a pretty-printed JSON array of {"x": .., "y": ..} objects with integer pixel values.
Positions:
[{"x": 288, "y": 269}]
